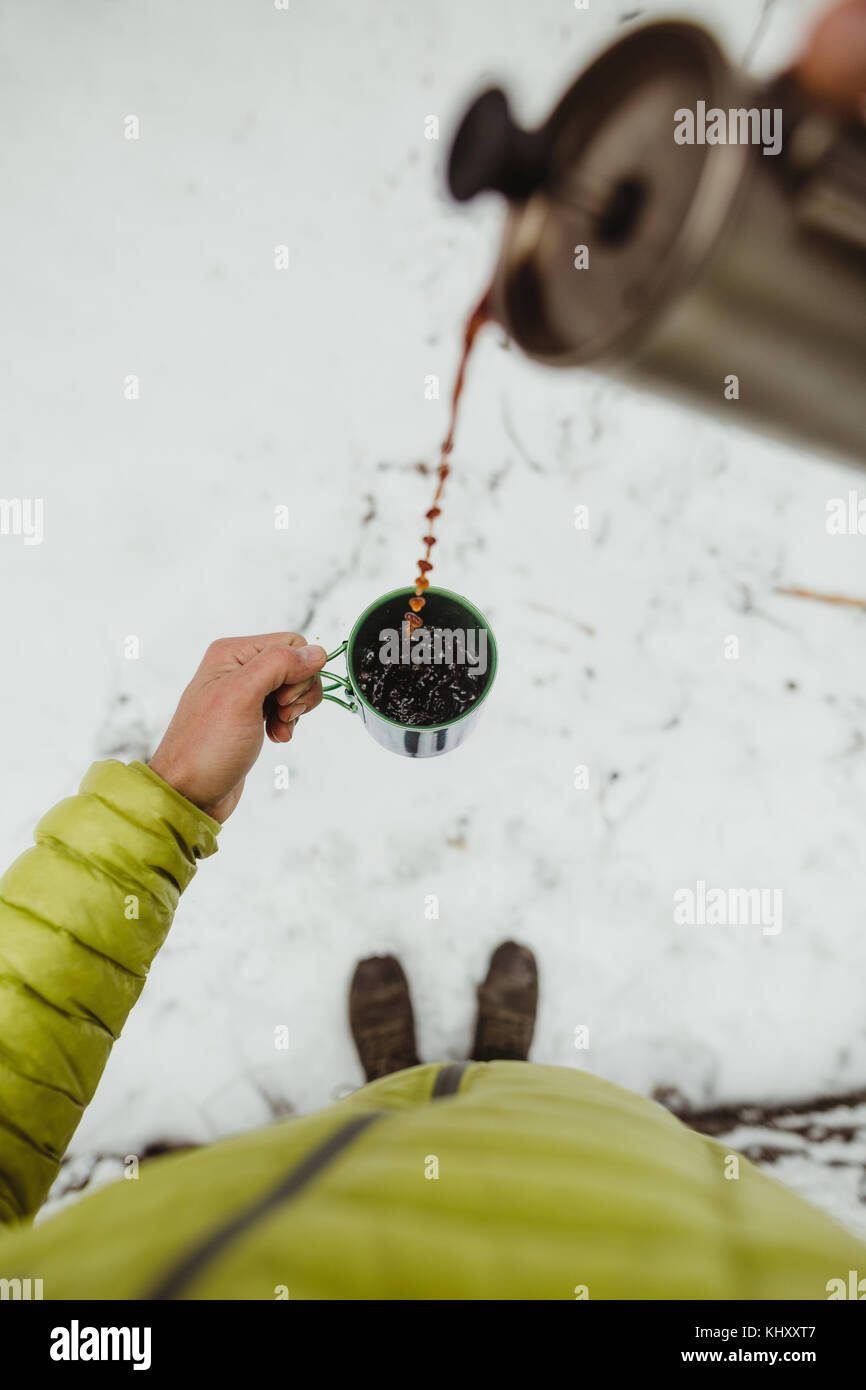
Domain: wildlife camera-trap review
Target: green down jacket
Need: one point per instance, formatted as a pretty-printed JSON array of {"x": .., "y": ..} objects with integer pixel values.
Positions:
[{"x": 501, "y": 1180}]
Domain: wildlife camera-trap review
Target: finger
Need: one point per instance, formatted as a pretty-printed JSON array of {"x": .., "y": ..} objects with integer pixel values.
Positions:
[
  {"x": 228, "y": 652},
  {"x": 833, "y": 65},
  {"x": 309, "y": 701},
  {"x": 277, "y": 731},
  {"x": 277, "y": 666},
  {"x": 275, "y": 714},
  {"x": 303, "y": 704},
  {"x": 287, "y": 693}
]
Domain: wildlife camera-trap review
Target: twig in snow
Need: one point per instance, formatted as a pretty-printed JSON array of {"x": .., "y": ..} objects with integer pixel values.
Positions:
[{"x": 842, "y": 599}]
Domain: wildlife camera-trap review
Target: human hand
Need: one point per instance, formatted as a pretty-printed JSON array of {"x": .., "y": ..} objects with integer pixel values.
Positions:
[
  {"x": 832, "y": 66},
  {"x": 243, "y": 687}
]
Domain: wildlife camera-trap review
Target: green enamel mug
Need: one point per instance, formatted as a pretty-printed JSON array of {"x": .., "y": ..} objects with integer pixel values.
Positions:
[{"x": 446, "y": 613}]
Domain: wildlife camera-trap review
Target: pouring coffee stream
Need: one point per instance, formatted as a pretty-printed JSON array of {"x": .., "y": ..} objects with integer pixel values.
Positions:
[
  {"x": 413, "y": 705},
  {"x": 479, "y": 316}
]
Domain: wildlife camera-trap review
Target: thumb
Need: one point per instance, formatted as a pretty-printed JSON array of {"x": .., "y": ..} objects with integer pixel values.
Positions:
[{"x": 276, "y": 666}]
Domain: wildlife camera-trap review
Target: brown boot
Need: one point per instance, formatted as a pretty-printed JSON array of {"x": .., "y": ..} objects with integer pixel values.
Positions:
[
  {"x": 381, "y": 1018},
  {"x": 507, "y": 1002}
]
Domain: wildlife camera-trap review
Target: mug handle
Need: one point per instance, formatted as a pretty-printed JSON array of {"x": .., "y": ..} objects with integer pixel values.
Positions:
[{"x": 337, "y": 681}]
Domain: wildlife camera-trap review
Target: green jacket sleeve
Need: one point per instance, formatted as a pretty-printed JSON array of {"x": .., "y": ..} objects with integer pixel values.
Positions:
[{"x": 82, "y": 915}]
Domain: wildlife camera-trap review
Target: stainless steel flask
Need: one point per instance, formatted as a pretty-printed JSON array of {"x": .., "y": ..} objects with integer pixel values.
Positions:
[{"x": 712, "y": 268}]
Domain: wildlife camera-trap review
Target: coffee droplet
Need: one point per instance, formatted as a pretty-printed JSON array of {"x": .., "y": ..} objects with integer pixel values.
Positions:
[{"x": 416, "y": 604}]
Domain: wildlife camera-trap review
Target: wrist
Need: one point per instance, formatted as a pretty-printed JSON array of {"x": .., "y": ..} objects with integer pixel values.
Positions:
[
  {"x": 174, "y": 776},
  {"x": 218, "y": 803}
]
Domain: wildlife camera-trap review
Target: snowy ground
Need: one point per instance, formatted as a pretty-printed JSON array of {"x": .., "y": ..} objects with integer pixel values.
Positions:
[{"x": 305, "y": 387}]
